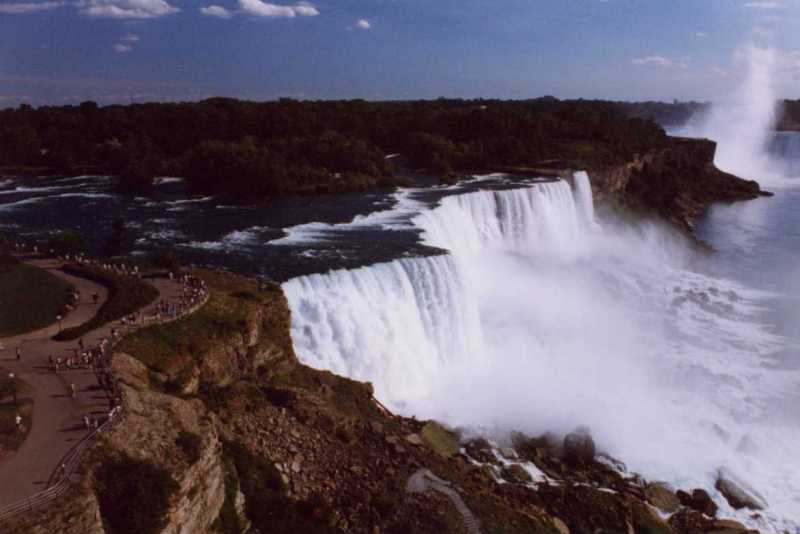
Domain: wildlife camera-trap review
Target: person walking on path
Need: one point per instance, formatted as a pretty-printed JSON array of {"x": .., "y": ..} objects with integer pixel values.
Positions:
[
  {"x": 73, "y": 390},
  {"x": 19, "y": 354}
]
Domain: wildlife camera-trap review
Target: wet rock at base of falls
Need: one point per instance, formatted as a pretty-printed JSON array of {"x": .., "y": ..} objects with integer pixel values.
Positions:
[
  {"x": 662, "y": 497},
  {"x": 442, "y": 441},
  {"x": 579, "y": 447},
  {"x": 481, "y": 451},
  {"x": 727, "y": 525},
  {"x": 737, "y": 493},
  {"x": 699, "y": 500},
  {"x": 690, "y": 522},
  {"x": 516, "y": 473}
]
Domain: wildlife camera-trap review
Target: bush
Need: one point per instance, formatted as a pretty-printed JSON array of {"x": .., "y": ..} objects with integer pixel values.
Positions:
[
  {"x": 126, "y": 295},
  {"x": 133, "y": 495},
  {"x": 191, "y": 444},
  {"x": 265, "y": 502}
]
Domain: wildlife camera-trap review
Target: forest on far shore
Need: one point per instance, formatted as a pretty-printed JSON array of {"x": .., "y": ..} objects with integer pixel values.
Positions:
[{"x": 255, "y": 149}]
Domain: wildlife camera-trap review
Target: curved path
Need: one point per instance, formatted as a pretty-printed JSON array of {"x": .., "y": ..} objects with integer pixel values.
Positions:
[
  {"x": 58, "y": 423},
  {"x": 423, "y": 480}
]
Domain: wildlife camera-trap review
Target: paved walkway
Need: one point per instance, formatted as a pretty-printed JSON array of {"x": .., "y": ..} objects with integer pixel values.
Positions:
[
  {"x": 58, "y": 423},
  {"x": 423, "y": 480}
]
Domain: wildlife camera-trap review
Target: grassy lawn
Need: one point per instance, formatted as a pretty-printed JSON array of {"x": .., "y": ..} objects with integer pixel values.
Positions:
[
  {"x": 30, "y": 298},
  {"x": 10, "y": 436},
  {"x": 231, "y": 301}
]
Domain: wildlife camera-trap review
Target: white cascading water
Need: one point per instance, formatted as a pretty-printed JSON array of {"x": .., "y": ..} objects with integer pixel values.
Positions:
[
  {"x": 402, "y": 325},
  {"x": 538, "y": 320}
]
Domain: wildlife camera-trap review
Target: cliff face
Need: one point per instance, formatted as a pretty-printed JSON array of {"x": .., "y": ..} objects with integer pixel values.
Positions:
[{"x": 678, "y": 182}]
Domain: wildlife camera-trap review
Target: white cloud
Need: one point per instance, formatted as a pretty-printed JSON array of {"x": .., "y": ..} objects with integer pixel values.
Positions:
[
  {"x": 126, "y": 9},
  {"x": 264, "y": 9},
  {"x": 23, "y": 8},
  {"x": 305, "y": 9},
  {"x": 363, "y": 24},
  {"x": 122, "y": 48},
  {"x": 764, "y": 4},
  {"x": 129, "y": 38},
  {"x": 658, "y": 61},
  {"x": 216, "y": 11},
  {"x": 701, "y": 35}
]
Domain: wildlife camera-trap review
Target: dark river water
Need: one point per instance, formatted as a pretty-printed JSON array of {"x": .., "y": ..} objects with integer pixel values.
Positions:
[{"x": 279, "y": 238}]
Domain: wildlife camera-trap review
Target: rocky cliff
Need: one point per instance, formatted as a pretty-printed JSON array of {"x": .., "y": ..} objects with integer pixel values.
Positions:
[{"x": 678, "y": 182}]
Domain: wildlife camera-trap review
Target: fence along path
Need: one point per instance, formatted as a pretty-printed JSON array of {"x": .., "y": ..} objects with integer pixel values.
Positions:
[{"x": 40, "y": 471}]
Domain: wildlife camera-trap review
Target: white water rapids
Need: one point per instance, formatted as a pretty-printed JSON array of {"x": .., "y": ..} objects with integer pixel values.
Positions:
[{"x": 538, "y": 319}]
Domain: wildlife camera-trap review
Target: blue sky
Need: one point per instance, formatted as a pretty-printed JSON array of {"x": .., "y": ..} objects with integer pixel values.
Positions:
[{"x": 66, "y": 51}]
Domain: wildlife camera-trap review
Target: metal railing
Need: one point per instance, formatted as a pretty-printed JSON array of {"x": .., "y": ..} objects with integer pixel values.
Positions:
[{"x": 60, "y": 480}]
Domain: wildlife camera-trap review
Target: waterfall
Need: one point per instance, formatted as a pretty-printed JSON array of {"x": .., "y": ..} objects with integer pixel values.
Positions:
[
  {"x": 583, "y": 191},
  {"x": 402, "y": 325},
  {"x": 412, "y": 324},
  {"x": 542, "y": 219}
]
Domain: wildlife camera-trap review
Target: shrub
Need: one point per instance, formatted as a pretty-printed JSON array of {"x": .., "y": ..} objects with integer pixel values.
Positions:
[
  {"x": 265, "y": 503},
  {"x": 133, "y": 495}
]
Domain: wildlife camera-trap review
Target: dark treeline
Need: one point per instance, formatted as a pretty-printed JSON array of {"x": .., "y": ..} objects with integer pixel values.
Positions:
[{"x": 247, "y": 148}]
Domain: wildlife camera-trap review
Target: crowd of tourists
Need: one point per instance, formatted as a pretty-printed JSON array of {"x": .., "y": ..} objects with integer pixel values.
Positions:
[{"x": 98, "y": 356}]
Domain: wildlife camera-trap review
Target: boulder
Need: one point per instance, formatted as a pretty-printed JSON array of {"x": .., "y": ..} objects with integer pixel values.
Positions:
[
  {"x": 414, "y": 439},
  {"x": 690, "y": 521},
  {"x": 646, "y": 519},
  {"x": 699, "y": 500},
  {"x": 727, "y": 525},
  {"x": 516, "y": 473},
  {"x": 579, "y": 448},
  {"x": 481, "y": 450},
  {"x": 662, "y": 497},
  {"x": 442, "y": 441},
  {"x": 560, "y": 526},
  {"x": 737, "y": 493}
]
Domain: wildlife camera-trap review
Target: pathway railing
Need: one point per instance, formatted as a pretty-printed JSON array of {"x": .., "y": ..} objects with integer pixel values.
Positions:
[{"x": 60, "y": 480}]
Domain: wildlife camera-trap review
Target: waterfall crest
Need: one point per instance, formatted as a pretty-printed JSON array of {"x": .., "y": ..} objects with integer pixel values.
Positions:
[{"x": 411, "y": 324}]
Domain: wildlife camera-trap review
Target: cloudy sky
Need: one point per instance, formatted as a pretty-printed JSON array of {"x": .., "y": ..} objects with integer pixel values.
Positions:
[{"x": 65, "y": 51}]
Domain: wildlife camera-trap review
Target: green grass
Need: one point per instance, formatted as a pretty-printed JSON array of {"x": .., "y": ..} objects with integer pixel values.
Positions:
[
  {"x": 30, "y": 298},
  {"x": 231, "y": 301},
  {"x": 126, "y": 295}
]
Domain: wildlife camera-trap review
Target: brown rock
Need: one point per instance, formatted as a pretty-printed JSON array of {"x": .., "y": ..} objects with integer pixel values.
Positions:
[
  {"x": 735, "y": 493},
  {"x": 662, "y": 497},
  {"x": 728, "y": 525},
  {"x": 690, "y": 522},
  {"x": 516, "y": 473},
  {"x": 646, "y": 519},
  {"x": 480, "y": 450},
  {"x": 560, "y": 526},
  {"x": 414, "y": 439},
  {"x": 699, "y": 500}
]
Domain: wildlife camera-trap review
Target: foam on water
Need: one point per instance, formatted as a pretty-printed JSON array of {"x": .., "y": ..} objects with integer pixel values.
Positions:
[
  {"x": 538, "y": 320},
  {"x": 233, "y": 240}
]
